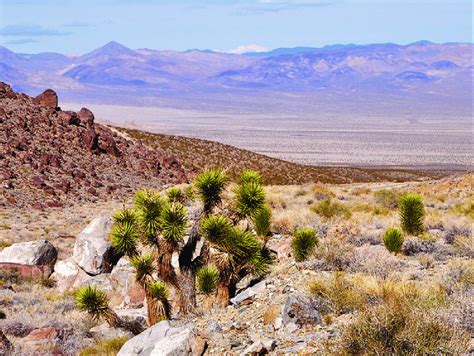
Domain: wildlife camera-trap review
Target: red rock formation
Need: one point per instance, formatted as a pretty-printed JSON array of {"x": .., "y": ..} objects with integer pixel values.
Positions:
[{"x": 49, "y": 157}]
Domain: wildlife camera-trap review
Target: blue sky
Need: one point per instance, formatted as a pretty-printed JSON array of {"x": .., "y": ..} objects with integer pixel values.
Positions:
[{"x": 78, "y": 26}]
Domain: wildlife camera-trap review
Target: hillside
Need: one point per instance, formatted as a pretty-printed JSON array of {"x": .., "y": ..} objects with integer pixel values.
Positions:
[
  {"x": 196, "y": 154},
  {"x": 51, "y": 157}
]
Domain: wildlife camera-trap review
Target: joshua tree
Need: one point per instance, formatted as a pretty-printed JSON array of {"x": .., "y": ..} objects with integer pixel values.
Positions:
[
  {"x": 96, "y": 303},
  {"x": 303, "y": 243},
  {"x": 161, "y": 222},
  {"x": 412, "y": 214}
]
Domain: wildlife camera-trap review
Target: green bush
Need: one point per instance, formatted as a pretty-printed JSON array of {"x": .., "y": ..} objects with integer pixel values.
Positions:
[
  {"x": 412, "y": 213},
  {"x": 303, "y": 243},
  {"x": 393, "y": 240},
  {"x": 329, "y": 209}
]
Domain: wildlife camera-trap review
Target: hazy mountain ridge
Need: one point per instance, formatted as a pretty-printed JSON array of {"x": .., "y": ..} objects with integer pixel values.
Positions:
[{"x": 114, "y": 73}]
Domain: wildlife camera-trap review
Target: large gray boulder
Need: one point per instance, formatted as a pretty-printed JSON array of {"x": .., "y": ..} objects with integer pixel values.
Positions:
[
  {"x": 67, "y": 275},
  {"x": 161, "y": 340},
  {"x": 92, "y": 249},
  {"x": 31, "y": 253}
]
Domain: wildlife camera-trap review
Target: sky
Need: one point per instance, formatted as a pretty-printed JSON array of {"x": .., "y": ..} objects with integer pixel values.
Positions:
[{"x": 79, "y": 26}]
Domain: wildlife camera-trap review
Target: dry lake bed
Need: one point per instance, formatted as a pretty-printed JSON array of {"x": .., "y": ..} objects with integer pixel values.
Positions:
[{"x": 431, "y": 141}]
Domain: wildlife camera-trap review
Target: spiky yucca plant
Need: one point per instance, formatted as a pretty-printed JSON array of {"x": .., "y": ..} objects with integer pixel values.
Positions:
[
  {"x": 209, "y": 186},
  {"x": 250, "y": 198},
  {"x": 207, "y": 278},
  {"x": 262, "y": 221},
  {"x": 123, "y": 238},
  {"x": 393, "y": 240},
  {"x": 248, "y": 176},
  {"x": 95, "y": 301},
  {"x": 175, "y": 195},
  {"x": 412, "y": 213},
  {"x": 159, "y": 296},
  {"x": 162, "y": 224},
  {"x": 125, "y": 215},
  {"x": 303, "y": 243}
]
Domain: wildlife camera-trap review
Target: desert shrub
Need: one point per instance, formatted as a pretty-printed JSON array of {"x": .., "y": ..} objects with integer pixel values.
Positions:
[
  {"x": 393, "y": 240},
  {"x": 466, "y": 209},
  {"x": 336, "y": 253},
  {"x": 206, "y": 279},
  {"x": 329, "y": 209},
  {"x": 402, "y": 328},
  {"x": 105, "y": 347},
  {"x": 412, "y": 213},
  {"x": 376, "y": 261},
  {"x": 338, "y": 293},
  {"x": 387, "y": 198},
  {"x": 303, "y": 243},
  {"x": 414, "y": 245},
  {"x": 360, "y": 191},
  {"x": 451, "y": 232},
  {"x": 16, "y": 328},
  {"x": 283, "y": 225},
  {"x": 321, "y": 192}
]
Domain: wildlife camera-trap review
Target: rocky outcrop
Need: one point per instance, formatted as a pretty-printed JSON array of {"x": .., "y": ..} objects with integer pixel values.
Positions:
[
  {"x": 301, "y": 310},
  {"x": 92, "y": 249},
  {"x": 50, "y": 158},
  {"x": 48, "y": 98},
  {"x": 124, "y": 283},
  {"x": 161, "y": 339},
  {"x": 31, "y": 253}
]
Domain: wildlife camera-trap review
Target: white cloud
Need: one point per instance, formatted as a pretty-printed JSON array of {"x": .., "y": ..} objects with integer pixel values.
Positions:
[{"x": 249, "y": 48}]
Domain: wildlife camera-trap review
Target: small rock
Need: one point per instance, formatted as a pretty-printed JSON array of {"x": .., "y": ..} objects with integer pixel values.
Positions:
[{"x": 214, "y": 326}]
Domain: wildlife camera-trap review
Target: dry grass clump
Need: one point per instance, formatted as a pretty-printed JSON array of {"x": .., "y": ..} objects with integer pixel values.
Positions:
[
  {"x": 330, "y": 209},
  {"x": 387, "y": 198},
  {"x": 465, "y": 208},
  {"x": 336, "y": 253},
  {"x": 105, "y": 347},
  {"x": 392, "y": 316}
]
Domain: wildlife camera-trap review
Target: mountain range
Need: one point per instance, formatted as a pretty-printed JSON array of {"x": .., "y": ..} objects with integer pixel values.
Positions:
[{"x": 422, "y": 72}]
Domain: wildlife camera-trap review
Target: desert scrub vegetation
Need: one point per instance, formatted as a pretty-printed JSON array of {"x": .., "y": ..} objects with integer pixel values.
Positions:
[
  {"x": 230, "y": 224},
  {"x": 328, "y": 209},
  {"x": 105, "y": 347},
  {"x": 390, "y": 316},
  {"x": 303, "y": 243},
  {"x": 387, "y": 198}
]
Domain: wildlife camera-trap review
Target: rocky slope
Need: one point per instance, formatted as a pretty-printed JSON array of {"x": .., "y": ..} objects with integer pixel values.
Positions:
[{"x": 50, "y": 157}]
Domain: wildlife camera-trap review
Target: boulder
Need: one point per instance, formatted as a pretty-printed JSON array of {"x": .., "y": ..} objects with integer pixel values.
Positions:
[
  {"x": 67, "y": 274},
  {"x": 161, "y": 339},
  {"x": 48, "y": 98},
  {"x": 31, "y": 253},
  {"x": 138, "y": 316},
  {"x": 124, "y": 283},
  {"x": 247, "y": 296},
  {"x": 92, "y": 249},
  {"x": 86, "y": 117},
  {"x": 26, "y": 271},
  {"x": 45, "y": 340},
  {"x": 301, "y": 310},
  {"x": 91, "y": 139},
  {"x": 68, "y": 118},
  {"x": 260, "y": 347}
]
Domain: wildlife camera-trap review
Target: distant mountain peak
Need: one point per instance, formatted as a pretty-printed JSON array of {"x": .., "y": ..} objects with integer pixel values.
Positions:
[{"x": 110, "y": 49}]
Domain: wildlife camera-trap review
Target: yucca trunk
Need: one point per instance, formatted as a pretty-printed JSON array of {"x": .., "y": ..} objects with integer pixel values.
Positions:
[
  {"x": 114, "y": 321},
  {"x": 187, "y": 293},
  {"x": 223, "y": 294},
  {"x": 165, "y": 269}
]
